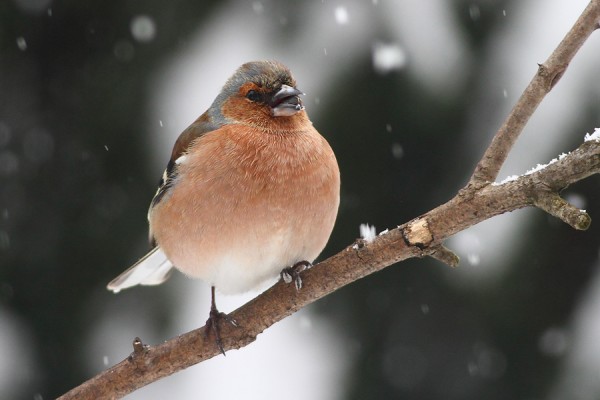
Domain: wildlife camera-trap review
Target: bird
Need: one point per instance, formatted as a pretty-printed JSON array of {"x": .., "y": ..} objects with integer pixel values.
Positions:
[{"x": 251, "y": 190}]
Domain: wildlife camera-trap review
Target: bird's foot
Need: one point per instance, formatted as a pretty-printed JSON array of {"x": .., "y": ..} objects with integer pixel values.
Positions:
[
  {"x": 292, "y": 273},
  {"x": 212, "y": 324}
]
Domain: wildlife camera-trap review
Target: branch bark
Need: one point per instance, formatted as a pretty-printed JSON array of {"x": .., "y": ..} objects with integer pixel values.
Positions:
[{"x": 422, "y": 236}]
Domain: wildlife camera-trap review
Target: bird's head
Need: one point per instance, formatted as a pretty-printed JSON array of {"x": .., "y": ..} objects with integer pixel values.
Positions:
[{"x": 260, "y": 93}]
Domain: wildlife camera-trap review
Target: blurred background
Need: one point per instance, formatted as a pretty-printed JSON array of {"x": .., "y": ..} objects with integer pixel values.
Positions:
[{"x": 409, "y": 93}]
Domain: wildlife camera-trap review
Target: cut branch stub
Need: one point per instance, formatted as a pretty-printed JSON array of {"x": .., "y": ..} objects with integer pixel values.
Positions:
[{"x": 417, "y": 233}]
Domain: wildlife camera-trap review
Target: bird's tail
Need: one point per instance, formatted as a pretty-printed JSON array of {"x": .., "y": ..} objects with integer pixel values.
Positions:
[{"x": 152, "y": 269}]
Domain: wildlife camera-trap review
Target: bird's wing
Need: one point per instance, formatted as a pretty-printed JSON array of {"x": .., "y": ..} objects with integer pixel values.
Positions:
[
  {"x": 152, "y": 269},
  {"x": 201, "y": 126}
]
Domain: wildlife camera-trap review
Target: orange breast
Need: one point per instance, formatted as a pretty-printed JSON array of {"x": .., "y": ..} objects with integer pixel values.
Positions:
[{"x": 248, "y": 203}]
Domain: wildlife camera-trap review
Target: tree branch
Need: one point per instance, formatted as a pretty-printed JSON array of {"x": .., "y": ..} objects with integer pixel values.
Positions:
[
  {"x": 548, "y": 75},
  {"x": 422, "y": 236}
]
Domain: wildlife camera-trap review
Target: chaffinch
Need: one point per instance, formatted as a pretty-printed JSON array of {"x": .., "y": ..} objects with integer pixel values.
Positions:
[{"x": 251, "y": 188}]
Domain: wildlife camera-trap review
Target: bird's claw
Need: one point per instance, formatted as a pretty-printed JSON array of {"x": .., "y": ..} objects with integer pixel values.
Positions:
[
  {"x": 292, "y": 273},
  {"x": 212, "y": 324}
]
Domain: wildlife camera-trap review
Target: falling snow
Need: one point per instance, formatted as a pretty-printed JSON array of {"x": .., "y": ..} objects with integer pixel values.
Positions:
[
  {"x": 21, "y": 43},
  {"x": 553, "y": 342},
  {"x": 473, "y": 259},
  {"x": 474, "y": 12},
  {"x": 341, "y": 15},
  {"x": 397, "y": 151},
  {"x": 387, "y": 57},
  {"x": 305, "y": 322},
  {"x": 143, "y": 28}
]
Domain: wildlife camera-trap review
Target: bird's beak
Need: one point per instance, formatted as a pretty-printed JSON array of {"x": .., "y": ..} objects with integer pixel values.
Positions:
[{"x": 286, "y": 102}]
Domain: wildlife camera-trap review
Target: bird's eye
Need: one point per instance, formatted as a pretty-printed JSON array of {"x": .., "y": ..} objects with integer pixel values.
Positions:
[{"x": 253, "y": 95}]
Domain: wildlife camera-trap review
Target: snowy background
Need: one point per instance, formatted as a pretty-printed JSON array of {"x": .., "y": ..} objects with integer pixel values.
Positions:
[{"x": 409, "y": 93}]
